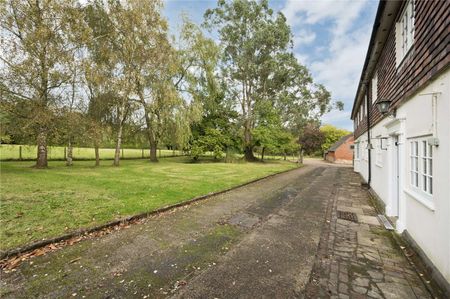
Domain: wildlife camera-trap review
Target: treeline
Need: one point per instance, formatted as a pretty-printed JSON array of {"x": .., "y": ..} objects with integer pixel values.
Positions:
[{"x": 108, "y": 72}]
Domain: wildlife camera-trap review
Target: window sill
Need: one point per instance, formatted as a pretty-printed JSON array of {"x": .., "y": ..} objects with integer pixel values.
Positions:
[{"x": 420, "y": 198}]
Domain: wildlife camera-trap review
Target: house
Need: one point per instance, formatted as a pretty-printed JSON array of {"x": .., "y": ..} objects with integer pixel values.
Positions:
[
  {"x": 341, "y": 152},
  {"x": 401, "y": 116}
]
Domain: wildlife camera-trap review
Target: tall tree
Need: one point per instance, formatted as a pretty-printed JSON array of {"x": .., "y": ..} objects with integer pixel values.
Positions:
[
  {"x": 261, "y": 71},
  {"x": 217, "y": 129},
  {"x": 251, "y": 36},
  {"x": 114, "y": 52},
  {"x": 37, "y": 42}
]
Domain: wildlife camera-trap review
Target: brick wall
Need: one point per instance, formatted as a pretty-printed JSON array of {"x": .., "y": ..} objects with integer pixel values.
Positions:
[{"x": 344, "y": 152}]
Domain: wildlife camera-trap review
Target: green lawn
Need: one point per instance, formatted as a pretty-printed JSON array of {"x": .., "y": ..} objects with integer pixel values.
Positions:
[{"x": 38, "y": 204}]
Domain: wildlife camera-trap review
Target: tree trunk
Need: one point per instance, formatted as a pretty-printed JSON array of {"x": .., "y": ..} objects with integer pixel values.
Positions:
[
  {"x": 248, "y": 148},
  {"x": 262, "y": 153},
  {"x": 153, "y": 150},
  {"x": 122, "y": 116},
  {"x": 69, "y": 160},
  {"x": 150, "y": 135},
  {"x": 118, "y": 144},
  {"x": 97, "y": 155},
  {"x": 248, "y": 154},
  {"x": 300, "y": 160},
  {"x": 41, "y": 161},
  {"x": 284, "y": 154}
]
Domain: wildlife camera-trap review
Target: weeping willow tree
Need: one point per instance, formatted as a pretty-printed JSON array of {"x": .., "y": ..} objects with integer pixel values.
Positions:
[{"x": 167, "y": 113}]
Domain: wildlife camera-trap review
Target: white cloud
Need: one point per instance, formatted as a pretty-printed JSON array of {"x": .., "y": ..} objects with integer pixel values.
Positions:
[
  {"x": 341, "y": 12},
  {"x": 304, "y": 37},
  {"x": 338, "y": 118},
  {"x": 339, "y": 67},
  {"x": 340, "y": 72}
]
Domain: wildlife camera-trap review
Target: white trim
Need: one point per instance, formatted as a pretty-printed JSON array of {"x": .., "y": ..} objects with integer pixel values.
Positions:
[
  {"x": 404, "y": 32},
  {"x": 418, "y": 197},
  {"x": 375, "y": 87}
]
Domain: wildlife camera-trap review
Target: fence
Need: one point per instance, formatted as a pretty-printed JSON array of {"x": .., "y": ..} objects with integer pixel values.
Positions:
[
  {"x": 29, "y": 152},
  {"x": 12, "y": 152}
]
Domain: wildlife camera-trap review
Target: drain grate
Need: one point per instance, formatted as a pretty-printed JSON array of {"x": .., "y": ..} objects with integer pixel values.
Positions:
[{"x": 347, "y": 216}]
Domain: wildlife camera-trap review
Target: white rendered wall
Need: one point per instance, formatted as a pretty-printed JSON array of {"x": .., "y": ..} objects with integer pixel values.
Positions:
[{"x": 426, "y": 218}]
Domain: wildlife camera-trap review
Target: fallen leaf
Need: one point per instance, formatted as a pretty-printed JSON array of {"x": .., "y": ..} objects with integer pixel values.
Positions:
[{"x": 74, "y": 260}]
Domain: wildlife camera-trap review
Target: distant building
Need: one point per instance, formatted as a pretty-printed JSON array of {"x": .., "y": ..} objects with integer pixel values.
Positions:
[
  {"x": 401, "y": 116},
  {"x": 342, "y": 151}
]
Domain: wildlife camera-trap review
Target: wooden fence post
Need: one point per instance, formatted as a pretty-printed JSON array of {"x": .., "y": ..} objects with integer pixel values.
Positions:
[
  {"x": 122, "y": 153},
  {"x": 20, "y": 152},
  {"x": 142, "y": 153},
  {"x": 65, "y": 154}
]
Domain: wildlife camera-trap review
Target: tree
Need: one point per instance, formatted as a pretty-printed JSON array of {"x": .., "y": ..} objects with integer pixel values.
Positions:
[
  {"x": 213, "y": 140},
  {"x": 70, "y": 121},
  {"x": 331, "y": 135},
  {"x": 311, "y": 138},
  {"x": 153, "y": 63},
  {"x": 260, "y": 70},
  {"x": 37, "y": 42},
  {"x": 113, "y": 52},
  {"x": 217, "y": 130},
  {"x": 251, "y": 37},
  {"x": 159, "y": 70}
]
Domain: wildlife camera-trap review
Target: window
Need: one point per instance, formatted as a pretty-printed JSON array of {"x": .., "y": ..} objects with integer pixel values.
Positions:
[
  {"x": 427, "y": 167},
  {"x": 421, "y": 165},
  {"x": 414, "y": 166},
  {"x": 405, "y": 31},
  {"x": 375, "y": 87}
]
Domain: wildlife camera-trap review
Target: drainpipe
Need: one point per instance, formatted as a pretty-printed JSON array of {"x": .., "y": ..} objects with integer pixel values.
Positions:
[{"x": 369, "y": 177}]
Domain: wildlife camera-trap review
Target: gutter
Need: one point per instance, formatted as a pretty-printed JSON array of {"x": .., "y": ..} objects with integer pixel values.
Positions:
[{"x": 369, "y": 143}]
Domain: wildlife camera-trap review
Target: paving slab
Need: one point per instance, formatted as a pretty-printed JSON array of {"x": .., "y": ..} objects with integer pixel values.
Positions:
[{"x": 360, "y": 260}]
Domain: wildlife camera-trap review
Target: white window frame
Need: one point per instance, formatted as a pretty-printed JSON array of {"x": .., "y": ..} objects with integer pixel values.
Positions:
[
  {"x": 414, "y": 163},
  {"x": 421, "y": 170},
  {"x": 427, "y": 167},
  {"x": 374, "y": 87},
  {"x": 405, "y": 29}
]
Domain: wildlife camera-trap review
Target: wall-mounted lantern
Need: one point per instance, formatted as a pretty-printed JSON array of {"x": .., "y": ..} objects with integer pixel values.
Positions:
[{"x": 383, "y": 106}]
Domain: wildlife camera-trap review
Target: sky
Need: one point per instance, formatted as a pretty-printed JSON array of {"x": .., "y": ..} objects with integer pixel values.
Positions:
[{"x": 330, "y": 37}]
